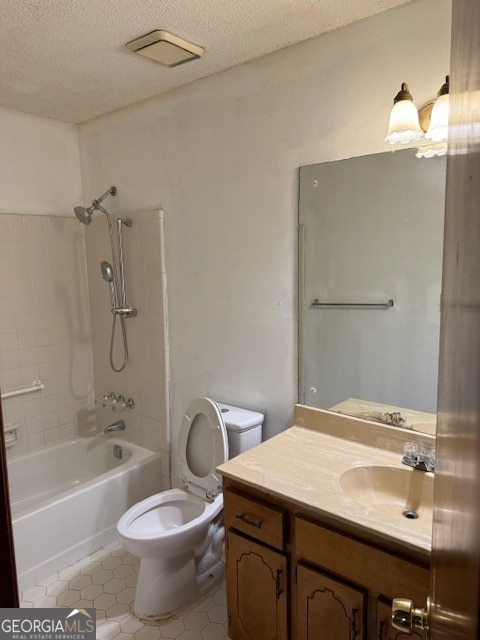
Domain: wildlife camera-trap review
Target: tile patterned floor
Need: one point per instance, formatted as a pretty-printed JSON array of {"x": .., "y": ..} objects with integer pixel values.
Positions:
[{"x": 106, "y": 581}]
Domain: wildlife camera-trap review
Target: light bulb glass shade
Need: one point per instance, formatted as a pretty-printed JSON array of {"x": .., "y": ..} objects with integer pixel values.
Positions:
[
  {"x": 403, "y": 126},
  {"x": 432, "y": 150},
  {"x": 438, "y": 128}
]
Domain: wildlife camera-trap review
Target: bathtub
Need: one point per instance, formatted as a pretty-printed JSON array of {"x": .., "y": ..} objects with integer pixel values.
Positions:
[{"x": 66, "y": 500}]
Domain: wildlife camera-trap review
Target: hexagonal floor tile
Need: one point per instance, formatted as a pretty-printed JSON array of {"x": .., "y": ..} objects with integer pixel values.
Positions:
[
  {"x": 213, "y": 631},
  {"x": 218, "y": 613},
  {"x": 106, "y": 580},
  {"x": 196, "y": 620}
]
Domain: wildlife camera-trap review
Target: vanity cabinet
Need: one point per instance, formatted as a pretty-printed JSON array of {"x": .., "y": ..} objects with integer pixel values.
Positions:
[
  {"x": 381, "y": 574},
  {"x": 257, "y": 590},
  {"x": 327, "y": 607},
  {"x": 294, "y": 575},
  {"x": 257, "y": 576}
]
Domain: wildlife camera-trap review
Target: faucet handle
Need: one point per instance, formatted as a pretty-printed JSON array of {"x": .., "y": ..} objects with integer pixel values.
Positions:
[
  {"x": 116, "y": 403},
  {"x": 121, "y": 404},
  {"x": 416, "y": 456},
  {"x": 106, "y": 400},
  {"x": 431, "y": 459},
  {"x": 410, "y": 449}
]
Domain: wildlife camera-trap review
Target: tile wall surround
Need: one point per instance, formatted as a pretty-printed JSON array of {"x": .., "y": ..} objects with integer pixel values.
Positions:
[
  {"x": 55, "y": 324},
  {"x": 44, "y": 328},
  {"x": 146, "y": 376}
]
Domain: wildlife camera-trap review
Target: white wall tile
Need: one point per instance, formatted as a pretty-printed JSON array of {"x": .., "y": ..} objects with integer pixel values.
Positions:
[
  {"x": 9, "y": 360},
  {"x": 8, "y": 342},
  {"x": 145, "y": 375},
  {"x": 34, "y": 424},
  {"x": 36, "y": 441},
  {"x": 44, "y": 326}
]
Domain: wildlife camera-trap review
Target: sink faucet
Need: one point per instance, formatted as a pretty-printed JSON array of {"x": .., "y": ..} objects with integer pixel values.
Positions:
[
  {"x": 414, "y": 456},
  {"x": 115, "y": 426}
]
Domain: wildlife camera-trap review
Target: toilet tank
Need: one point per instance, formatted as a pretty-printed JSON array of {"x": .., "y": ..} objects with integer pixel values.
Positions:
[{"x": 244, "y": 428}]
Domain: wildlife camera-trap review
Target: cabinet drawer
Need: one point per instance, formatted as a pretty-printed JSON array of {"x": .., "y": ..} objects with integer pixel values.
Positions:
[
  {"x": 256, "y": 519},
  {"x": 380, "y": 571}
]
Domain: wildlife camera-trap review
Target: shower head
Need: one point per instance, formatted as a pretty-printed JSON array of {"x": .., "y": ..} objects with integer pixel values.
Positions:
[
  {"x": 107, "y": 271},
  {"x": 85, "y": 215}
]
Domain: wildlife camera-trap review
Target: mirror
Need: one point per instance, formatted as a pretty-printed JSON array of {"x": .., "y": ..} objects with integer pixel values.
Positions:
[{"x": 370, "y": 264}]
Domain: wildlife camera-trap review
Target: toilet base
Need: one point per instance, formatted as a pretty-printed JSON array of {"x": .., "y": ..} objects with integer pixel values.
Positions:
[
  {"x": 207, "y": 581},
  {"x": 171, "y": 594},
  {"x": 164, "y": 584}
]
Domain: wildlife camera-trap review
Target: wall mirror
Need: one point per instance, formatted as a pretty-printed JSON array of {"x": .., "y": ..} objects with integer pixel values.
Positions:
[{"x": 370, "y": 264}]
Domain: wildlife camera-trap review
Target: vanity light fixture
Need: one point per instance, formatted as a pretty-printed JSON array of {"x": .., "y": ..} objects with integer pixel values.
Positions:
[
  {"x": 165, "y": 48},
  {"x": 406, "y": 124},
  {"x": 438, "y": 128}
]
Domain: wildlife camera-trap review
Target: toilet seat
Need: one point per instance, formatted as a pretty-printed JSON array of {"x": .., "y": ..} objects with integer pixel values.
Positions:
[{"x": 207, "y": 415}]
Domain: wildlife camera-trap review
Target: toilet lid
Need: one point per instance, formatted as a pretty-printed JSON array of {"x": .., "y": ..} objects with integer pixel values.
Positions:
[{"x": 202, "y": 447}]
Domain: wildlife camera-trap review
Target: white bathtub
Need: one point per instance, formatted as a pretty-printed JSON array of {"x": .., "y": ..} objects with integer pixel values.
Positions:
[{"x": 66, "y": 500}]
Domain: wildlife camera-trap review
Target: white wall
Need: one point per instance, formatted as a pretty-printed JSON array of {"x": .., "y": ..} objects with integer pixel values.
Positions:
[
  {"x": 220, "y": 156},
  {"x": 39, "y": 165}
]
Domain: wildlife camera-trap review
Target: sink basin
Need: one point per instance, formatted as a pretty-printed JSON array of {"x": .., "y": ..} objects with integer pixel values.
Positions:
[{"x": 406, "y": 492}]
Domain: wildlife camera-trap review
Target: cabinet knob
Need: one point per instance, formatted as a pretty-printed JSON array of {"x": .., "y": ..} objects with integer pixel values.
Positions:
[{"x": 406, "y": 617}]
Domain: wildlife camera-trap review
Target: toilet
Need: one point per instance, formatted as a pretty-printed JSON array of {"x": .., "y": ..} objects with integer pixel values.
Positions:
[{"x": 178, "y": 534}]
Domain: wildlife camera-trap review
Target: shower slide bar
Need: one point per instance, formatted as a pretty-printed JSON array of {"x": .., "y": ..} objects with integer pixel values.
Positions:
[
  {"x": 355, "y": 305},
  {"x": 37, "y": 385}
]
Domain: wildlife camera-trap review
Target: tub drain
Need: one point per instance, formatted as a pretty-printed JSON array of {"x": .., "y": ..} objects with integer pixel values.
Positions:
[{"x": 410, "y": 514}]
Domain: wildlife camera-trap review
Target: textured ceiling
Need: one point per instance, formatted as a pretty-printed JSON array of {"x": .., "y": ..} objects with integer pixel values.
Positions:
[{"x": 66, "y": 59}]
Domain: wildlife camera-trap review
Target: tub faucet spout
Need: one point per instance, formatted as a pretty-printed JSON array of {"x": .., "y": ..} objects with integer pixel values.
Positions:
[{"x": 115, "y": 426}]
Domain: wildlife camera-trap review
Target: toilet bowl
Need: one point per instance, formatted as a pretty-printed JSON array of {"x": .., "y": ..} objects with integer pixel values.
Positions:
[{"x": 178, "y": 534}]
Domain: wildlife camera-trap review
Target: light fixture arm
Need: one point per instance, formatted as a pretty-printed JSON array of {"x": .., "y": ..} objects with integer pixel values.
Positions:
[
  {"x": 403, "y": 94},
  {"x": 445, "y": 88}
]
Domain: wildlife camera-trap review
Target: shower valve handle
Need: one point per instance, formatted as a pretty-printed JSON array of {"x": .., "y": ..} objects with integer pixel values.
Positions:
[
  {"x": 107, "y": 401},
  {"x": 123, "y": 404}
]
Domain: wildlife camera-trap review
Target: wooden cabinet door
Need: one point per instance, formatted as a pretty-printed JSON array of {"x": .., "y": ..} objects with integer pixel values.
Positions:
[
  {"x": 328, "y": 609},
  {"x": 385, "y": 631},
  {"x": 256, "y": 590}
]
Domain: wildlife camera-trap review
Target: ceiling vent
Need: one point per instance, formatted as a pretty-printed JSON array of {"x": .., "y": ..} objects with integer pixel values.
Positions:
[{"x": 164, "y": 47}]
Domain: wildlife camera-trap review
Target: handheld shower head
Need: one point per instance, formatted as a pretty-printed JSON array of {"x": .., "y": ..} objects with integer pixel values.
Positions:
[
  {"x": 107, "y": 271},
  {"x": 108, "y": 275},
  {"x": 85, "y": 215}
]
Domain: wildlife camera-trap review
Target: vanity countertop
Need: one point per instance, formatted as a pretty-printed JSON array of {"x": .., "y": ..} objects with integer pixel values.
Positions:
[{"x": 304, "y": 463}]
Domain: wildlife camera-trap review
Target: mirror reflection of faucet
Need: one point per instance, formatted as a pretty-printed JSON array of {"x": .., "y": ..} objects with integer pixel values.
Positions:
[
  {"x": 115, "y": 402},
  {"x": 418, "y": 458}
]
